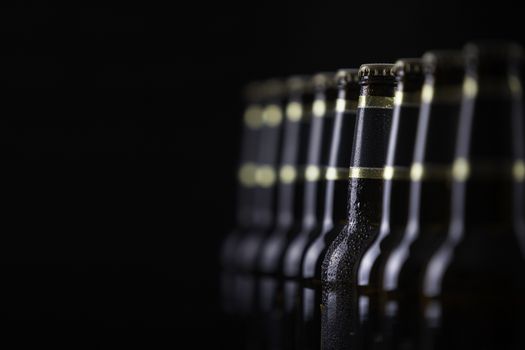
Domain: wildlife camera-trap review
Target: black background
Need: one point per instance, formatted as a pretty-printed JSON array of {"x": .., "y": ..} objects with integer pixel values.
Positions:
[{"x": 119, "y": 134}]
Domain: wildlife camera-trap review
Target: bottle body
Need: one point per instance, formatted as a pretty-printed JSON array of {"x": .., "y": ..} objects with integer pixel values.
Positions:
[
  {"x": 429, "y": 202},
  {"x": 314, "y": 184},
  {"x": 248, "y": 248},
  {"x": 409, "y": 75},
  {"x": 334, "y": 204},
  {"x": 474, "y": 284},
  {"x": 339, "y": 312}
]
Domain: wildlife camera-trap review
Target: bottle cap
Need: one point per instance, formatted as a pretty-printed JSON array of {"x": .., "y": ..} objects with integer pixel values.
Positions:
[
  {"x": 324, "y": 80},
  {"x": 253, "y": 91},
  {"x": 408, "y": 67},
  {"x": 346, "y": 76},
  {"x": 443, "y": 59},
  {"x": 495, "y": 49},
  {"x": 495, "y": 55},
  {"x": 298, "y": 84},
  {"x": 272, "y": 88},
  {"x": 372, "y": 70}
]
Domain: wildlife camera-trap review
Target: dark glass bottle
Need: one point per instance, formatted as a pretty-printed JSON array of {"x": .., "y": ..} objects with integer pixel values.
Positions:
[
  {"x": 297, "y": 124},
  {"x": 340, "y": 137},
  {"x": 252, "y": 123},
  {"x": 407, "y": 103},
  {"x": 429, "y": 207},
  {"x": 322, "y": 118},
  {"x": 264, "y": 212},
  {"x": 474, "y": 286},
  {"x": 339, "y": 269}
]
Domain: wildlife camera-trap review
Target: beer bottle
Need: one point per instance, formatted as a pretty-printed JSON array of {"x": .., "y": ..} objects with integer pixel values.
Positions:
[
  {"x": 264, "y": 197},
  {"x": 429, "y": 207},
  {"x": 407, "y": 103},
  {"x": 290, "y": 181},
  {"x": 339, "y": 279},
  {"x": 252, "y": 123},
  {"x": 322, "y": 117},
  {"x": 474, "y": 285},
  {"x": 335, "y": 175}
]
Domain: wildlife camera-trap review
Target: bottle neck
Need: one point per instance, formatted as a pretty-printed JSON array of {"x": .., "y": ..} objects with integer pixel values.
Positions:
[
  {"x": 317, "y": 157},
  {"x": 288, "y": 176},
  {"x": 250, "y": 136},
  {"x": 374, "y": 117},
  {"x": 267, "y": 161},
  {"x": 400, "y": 154},
  {"x": 304, "y": 104},
  {"x": 341, "y": 140},
  {"x": 434, "y": 152},
  {"x": 487, "y": 169}
]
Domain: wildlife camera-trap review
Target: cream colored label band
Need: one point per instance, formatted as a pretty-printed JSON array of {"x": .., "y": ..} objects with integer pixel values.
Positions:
[
  {"x": 342, "y": 106},
  {"x": 251, "y": 175},
  {"x": 449, "y": 94},
  {"x": 396, "y": 173},
  {"x": 253, "y": 117},
  {"x": 314, "y": 173},
  {"x": 295, "y": 111},
  {"x": 290, "y": 174},
  {"x": 256, "y": 116},
  {"x": 462, "y": 170},
  {"x": 518, "y": 170},
  {"x": 246, "y": 174},
  {"x": 411, "y": 99},
  {"x": 430, "y": 172},
  {"x": 375, "y": 102},
  {"x": 320, "y": 107},
  {"x": 272, "y": 115},
  {"x": 387, "y": 173},
  {"x": 366, "y": 173},
  {"x": 453, "y": 94}
]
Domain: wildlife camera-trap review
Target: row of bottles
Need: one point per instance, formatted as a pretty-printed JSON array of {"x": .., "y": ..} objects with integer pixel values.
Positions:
[{"x": 383, "y": 208}]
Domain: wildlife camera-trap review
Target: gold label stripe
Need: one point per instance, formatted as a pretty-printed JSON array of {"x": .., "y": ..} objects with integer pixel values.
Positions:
[
  {"x": 294, "y": 111},
  {"x": 436, "y": 172},
  {"x": 333, "y": 173},
  {"x": 451, "y": 94},
  {"x": 375, "y": 102},
  {"x": 312, "y": 173},
  {"x": 518, "y": 170},
  {"x": 246, "y": 174},
  {"x": 319, "y": 108},
  {"x": 342, "y": 105},
  {"x": 272, "y": 115},
  {"x": 253, "y": 117},
  {"x": 412, "y": 99},
  {"x": 515, "y": 86},
  {"x": 463, "y": 170},
  {"x": 265, "y": 176},
  {"x": 287, "y": 174},
  {"x": 366, "y": 173},
  {"x": 396, "y": 173}
]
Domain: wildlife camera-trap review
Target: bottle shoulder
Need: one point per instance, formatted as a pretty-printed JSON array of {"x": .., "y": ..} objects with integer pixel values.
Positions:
[
  {"x": 316, "y": 251},
  {"x": 345, "y": 253},
  {"x": 486, "y": 254}
]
